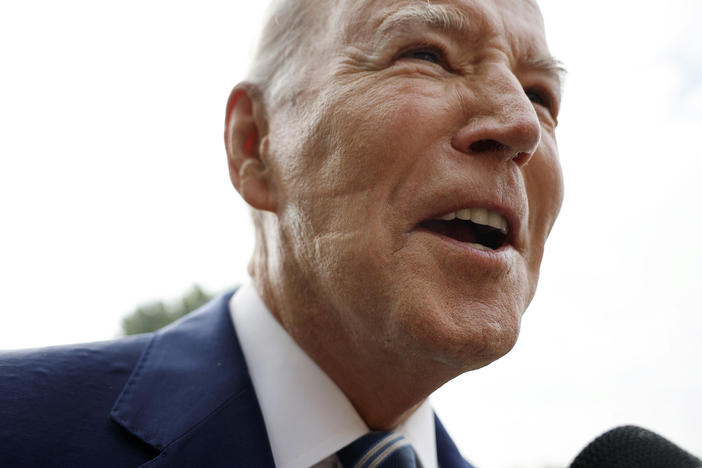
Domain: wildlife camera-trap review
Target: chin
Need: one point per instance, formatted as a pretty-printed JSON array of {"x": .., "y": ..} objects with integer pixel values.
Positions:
[{"x": 468, "y": 336}]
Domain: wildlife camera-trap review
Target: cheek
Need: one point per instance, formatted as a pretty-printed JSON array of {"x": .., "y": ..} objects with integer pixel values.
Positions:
[
  {"x": 381, "y": 134},
  {"x": 544, "y": 185}
]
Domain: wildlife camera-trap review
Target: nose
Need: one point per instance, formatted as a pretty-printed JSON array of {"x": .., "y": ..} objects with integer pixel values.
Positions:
[{"x": 500, "y": 120}]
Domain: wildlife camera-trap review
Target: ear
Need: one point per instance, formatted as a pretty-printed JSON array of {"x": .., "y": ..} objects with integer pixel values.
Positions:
[{"x": 245, "y": 140}]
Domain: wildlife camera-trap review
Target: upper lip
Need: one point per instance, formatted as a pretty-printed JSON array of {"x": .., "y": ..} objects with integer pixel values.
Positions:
[{"x": 513, "y": 212}]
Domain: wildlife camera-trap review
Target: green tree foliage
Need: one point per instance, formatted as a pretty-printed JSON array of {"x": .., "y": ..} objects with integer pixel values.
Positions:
[{"x": 154, "y": 315}]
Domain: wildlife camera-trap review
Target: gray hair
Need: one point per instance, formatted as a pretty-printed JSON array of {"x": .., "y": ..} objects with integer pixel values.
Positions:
[{"x": 288, "y": 34}]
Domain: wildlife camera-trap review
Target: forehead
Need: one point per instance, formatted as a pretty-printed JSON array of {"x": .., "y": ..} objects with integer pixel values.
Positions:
[{"x": 513, "y": 25}]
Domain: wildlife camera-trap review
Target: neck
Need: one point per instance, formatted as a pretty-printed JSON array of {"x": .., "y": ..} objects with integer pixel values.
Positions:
[{"x": 384, "y": 385}]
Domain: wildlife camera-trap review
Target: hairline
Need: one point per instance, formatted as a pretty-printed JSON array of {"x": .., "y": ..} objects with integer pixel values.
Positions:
[{"x": 288, "y": 32}]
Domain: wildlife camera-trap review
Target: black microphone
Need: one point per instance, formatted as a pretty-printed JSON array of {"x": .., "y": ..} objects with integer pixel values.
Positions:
[{"x": 633, "y": 447}]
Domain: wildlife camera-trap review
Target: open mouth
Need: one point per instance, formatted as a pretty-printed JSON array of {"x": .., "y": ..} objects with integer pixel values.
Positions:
[{"x": 481, "y": 228}]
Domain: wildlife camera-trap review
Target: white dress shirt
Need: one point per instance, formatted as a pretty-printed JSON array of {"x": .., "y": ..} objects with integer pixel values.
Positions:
[{"x": 307, "y": 417}]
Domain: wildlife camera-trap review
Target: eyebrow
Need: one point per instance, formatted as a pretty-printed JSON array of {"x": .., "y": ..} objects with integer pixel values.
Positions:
[
  {"x": 548, "y": 65},
  {"x": 441, "y": 17}
]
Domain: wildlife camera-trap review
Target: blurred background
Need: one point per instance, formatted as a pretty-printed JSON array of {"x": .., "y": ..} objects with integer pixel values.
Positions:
[{"x": 114, "y": 193}]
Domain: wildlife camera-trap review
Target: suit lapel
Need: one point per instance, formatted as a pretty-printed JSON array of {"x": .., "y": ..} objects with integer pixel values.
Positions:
[{"x": 190, "y": 396}]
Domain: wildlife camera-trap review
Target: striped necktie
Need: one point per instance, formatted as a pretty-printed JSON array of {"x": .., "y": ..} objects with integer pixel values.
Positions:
[{"x": 379, "y": 450}]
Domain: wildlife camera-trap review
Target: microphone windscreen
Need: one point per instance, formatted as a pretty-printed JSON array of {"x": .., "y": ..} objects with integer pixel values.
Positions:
[{"x": 633, "y": 447}]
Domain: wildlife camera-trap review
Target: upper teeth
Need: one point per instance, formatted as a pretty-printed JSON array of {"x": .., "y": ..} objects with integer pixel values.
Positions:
[{"x": 479, "y": 216}]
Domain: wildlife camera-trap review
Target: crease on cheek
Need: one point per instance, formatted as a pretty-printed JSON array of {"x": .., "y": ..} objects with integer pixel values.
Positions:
[
  {"x": 347, "y": 255},
  {"x": 331, "y": 232}
]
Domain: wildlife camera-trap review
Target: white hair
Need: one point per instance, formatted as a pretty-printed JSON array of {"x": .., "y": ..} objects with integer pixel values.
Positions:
[{"x": 288, "y": 33}]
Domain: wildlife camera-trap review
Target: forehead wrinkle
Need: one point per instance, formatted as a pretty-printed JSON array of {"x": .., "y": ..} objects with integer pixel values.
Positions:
[{"x": 414, "y": 15}]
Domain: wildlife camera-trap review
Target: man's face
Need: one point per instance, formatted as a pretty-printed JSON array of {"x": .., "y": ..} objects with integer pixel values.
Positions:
[{"x": 410, "y": 113}]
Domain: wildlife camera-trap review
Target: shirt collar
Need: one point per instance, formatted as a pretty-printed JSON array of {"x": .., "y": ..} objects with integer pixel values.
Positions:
[{"x": 307, "y": 416}]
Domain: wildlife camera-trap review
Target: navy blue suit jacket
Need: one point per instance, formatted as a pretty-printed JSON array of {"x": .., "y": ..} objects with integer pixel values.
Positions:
[{"x": 180, "y": 397}]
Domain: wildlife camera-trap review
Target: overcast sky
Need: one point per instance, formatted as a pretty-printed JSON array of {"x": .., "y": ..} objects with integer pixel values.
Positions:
[{"x": 114, "y": 191}]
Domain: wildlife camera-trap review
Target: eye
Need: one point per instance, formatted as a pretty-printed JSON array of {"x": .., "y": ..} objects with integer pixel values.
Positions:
[
  {"x": 537, "y": 97},
  {"x": 425, "y": 53},
  {"x": 545, "y": 100}
]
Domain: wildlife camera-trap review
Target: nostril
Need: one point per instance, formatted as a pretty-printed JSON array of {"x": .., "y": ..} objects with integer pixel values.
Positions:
[
  {"x": 522, "y": 158},
  {"x": 495, "y": 147},
  {"x": 483, "y": 146}
]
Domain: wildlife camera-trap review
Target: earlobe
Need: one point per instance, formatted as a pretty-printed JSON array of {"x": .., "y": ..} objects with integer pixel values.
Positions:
[{"x": 244, "y": 135}]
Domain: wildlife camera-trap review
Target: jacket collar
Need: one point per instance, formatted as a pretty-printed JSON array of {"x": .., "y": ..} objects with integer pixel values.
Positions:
[
  {"x": 446, "y": 450},
  {"x": 190, "y": 394}
]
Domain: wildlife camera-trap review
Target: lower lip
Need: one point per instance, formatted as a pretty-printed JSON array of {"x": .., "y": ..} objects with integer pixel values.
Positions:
[{"x": 499, "y": 258}]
